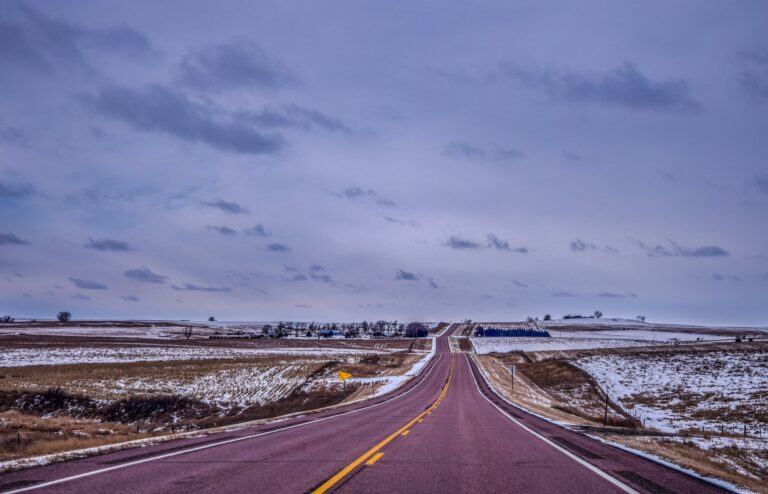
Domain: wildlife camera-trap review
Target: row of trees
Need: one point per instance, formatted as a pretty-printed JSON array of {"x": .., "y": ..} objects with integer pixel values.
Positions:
[
  {"x": 63, "y": 316},
  {"x": 382, "y": 329},
  {"x": 595, "y": 315}
]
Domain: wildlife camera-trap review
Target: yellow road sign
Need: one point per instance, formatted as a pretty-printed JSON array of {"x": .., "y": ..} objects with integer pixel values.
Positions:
[{"x": 343, "y": 376}]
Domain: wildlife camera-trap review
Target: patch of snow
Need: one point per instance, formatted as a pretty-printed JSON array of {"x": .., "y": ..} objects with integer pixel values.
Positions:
[
  {"x": 387, "y": 384},
  {"x": 728, "y": 486},
  {"x": 234, "y": 386},
  {"x": 668, "y": 391},
  {"x": 584, "y": 340},
  {"x": 624, "y": 323},
  {"x": 18, "y": 357}
]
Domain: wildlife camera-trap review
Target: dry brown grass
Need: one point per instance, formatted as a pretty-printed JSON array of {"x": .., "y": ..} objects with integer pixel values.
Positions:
[
  {"x": 552, "y": 382},
  {"x": 693, "y": 348},
  {"x": 23, "y": 435},
  {"x": 441, "y": 326},
  {"x": 718, "y": 463},
  {"x": 464, "y": 344},
  {"x": 525, "y": 392},
  {"x": 102, "y": 381},
  {"x": 392, "y": 364},
  {"x": 97, "y": 390},
  {"x": 557, "y": 388},
  {"x": 71, "y": 341}
]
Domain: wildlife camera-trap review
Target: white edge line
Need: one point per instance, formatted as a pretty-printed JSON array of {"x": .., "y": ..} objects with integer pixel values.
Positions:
[
  {"x": 624, "y": 487},
  {"x": 711, "y": 480},
  {"x": 221, "y": 443},
  {"x": 77, "y": 454}
]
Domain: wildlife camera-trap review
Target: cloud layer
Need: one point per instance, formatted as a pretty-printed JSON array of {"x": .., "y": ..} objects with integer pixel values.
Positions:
[{"x": 150, "y": 172}]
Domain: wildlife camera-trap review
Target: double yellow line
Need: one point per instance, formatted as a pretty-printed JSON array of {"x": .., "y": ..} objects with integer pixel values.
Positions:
[{"x": 328, "y": 484}]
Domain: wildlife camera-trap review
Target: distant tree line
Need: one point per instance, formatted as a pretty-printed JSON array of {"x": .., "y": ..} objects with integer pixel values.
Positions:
[
  {"x": 595, "y": 315},
  {"x": 378, "y": 329},
  {"x": 516, "y": 332}
]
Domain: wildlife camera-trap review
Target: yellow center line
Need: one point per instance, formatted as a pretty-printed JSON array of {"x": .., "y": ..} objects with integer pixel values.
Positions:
[
  {"x": 328, "y": 484},
  {"x": 406, "y": 433},
  {"x": 374, "y": 458}
]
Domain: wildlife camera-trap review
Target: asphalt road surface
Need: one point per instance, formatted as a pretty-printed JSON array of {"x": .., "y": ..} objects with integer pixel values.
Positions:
[{"x": 445, "y": 431}]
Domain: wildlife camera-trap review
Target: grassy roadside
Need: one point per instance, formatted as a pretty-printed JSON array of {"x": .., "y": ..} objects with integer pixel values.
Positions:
[
  {"x": 103, "y": 404},
  {"x": 560, "y": 391}
]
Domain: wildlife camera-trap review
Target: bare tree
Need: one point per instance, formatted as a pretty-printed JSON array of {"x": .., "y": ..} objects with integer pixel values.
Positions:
[
  {"x": 598, "y": 314},
  {"x": 187, "y": 332},
  {"x": 64, "y": 316}
]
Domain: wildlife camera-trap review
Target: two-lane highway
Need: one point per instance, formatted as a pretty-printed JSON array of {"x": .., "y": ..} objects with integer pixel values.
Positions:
[{"x": 444, "y": 432}]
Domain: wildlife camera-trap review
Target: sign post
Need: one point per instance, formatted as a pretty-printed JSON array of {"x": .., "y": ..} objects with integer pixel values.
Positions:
[
  {"x": 512, "y": 373},
  {"x": 343, "y": 376}
]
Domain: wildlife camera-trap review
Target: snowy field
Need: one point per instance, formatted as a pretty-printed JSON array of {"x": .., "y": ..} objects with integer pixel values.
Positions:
[
  {"x": 107, "y": 330},
  {"x": 711, "y": 391},
  {"x": 240, "y": 385},
  {"x": 18, "y": 357},
  {"x": 633, "y": 324},
  {"x": 710, "y": 396},
  {"x": 583, "y": 340},
  {"x": 386, "y": 384}
]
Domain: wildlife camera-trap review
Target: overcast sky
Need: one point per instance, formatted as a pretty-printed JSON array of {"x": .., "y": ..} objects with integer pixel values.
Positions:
[{"x": 366, "y": 160}]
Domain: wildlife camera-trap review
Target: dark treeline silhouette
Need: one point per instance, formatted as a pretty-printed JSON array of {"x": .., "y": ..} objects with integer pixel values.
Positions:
[
  {"x": 378, "y": 329},
  {"x": 516, "y": 332}
]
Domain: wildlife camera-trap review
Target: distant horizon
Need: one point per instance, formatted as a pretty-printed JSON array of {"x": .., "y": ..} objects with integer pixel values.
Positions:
[{"x": 346, "y": 321}]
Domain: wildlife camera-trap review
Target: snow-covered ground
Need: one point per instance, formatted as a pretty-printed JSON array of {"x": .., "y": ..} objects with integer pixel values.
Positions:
[
  {"x": 643, "y": 335},
  {"x": 722, "y": 449},
  {"x": 634, "y": 324},
  {"x": 582, "y": 340},
  {"x": 385, "y": 384},
  {"x": 17, "y": 357},
  {"x": 712, "y": 391},
  {"x": 111, "y": 331},
  {"x": 242, "y": 386}
]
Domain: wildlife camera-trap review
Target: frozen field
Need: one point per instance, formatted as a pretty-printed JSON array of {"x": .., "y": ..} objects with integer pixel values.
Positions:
[
  {"x": 633, "y": 324},
  {"x": 386, "y": 384},
  {"x": 710, "y": 391},
  {"x": 238, "y": 385},
  {"x": 107, "y": 330},
  {"x": 583, "y": 340},
  {"x": 17, "y": 357}
]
